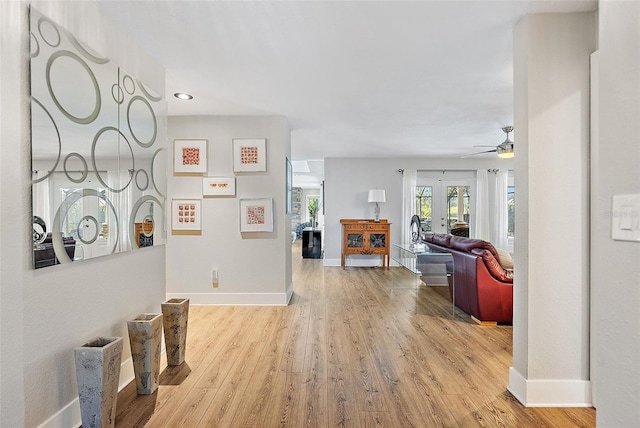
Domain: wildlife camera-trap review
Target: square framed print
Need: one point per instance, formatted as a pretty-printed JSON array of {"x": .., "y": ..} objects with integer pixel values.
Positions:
[
  {"x": 218, "y": 186},
  {"x": 250, "y": 155},
  {"x": 189, "y": 157},
  {"x": 256, "y": 215},
  {"x": 186, "y": 215}
]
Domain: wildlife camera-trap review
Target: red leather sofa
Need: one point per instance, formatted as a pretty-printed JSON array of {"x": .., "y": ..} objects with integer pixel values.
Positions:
[{"x": 483, "y": 288}]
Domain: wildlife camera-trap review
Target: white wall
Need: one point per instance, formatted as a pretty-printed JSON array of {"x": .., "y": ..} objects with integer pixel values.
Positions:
[
  {"x": 45, "y": 314},
  {"x": 254, "y": 268},
  {"x": 551, "y": 285},
  {"x": 347, "y": 183},
  {"x": 616, "y": 264}
]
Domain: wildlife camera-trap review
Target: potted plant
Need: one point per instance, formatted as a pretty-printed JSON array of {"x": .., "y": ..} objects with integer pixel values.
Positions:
[{"x": 313, "y": 210}]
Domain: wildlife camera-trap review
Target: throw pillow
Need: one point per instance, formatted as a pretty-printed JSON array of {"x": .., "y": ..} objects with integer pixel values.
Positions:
[
  {"x": 505, "y": 259},
  {"x": 493, "y": 266}
]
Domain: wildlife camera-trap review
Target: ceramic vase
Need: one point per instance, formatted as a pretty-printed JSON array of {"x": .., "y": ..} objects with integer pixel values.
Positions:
[
  {"x": 175, "y": 316},
  {"x": 145, "y": 338},
  {"x": 98, "y": 373}
]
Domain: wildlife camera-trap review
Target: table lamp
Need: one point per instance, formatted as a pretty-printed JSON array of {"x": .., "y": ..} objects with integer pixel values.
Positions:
[{"x": 377, "y": 195}]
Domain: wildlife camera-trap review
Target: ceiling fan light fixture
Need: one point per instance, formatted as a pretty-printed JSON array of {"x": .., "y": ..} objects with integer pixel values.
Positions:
[{"x": 505, "y": 151}]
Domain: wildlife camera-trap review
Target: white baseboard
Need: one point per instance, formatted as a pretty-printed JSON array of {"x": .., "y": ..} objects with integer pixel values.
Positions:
[
  {"x": 69, "y": 415},
  {"x": 549, "y": 392},
  {"x": 235, "y": 299}
]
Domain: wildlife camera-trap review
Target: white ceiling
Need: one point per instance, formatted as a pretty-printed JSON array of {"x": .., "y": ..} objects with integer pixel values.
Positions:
[{"x": 361, "y": 78}]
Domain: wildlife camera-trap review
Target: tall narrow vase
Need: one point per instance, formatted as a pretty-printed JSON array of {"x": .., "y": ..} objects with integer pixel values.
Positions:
[
  {"x": 175, "y": 316},
  {"x": 98, "y": 373},
  {"x": 145, "y": 337}
]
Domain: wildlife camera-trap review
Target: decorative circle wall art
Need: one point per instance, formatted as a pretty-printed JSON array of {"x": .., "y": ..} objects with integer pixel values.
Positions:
[{"x": 86, "y": 114}]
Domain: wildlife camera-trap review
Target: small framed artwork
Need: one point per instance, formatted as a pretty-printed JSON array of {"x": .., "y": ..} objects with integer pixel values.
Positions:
[
  {"x": 185, "y": 216},
  {"x": 218, "y": 186},
  {"x": 250, "y": 155},
  {"x": 189, "y": 157},
  {"x": 256, "y": 215}
]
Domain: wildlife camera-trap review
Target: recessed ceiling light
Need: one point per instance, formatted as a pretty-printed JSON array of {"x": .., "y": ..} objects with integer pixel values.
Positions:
[{"x": 183, "y": 96}]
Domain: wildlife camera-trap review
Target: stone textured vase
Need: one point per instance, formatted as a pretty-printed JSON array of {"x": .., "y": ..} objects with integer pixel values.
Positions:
[
  {"x": 175, "y": 316},
  {"x": 98, "y": 374},
  {"x": 145, "y": 338}
]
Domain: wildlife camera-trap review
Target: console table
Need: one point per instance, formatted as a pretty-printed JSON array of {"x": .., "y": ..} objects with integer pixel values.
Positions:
[{"x": 366, "y": 237}]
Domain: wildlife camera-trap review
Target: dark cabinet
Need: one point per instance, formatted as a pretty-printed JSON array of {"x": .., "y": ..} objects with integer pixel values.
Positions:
[{"x": 311, "y": 243}]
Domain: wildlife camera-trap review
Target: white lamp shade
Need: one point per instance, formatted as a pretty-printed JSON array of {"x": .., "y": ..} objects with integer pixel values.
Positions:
[{"x": 377, "y": 195}]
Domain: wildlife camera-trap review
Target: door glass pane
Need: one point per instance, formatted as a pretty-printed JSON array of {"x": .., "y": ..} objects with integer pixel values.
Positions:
[
  {"x": 458, "y": 206},
  {"x": 69, "y": 223},
  {"x": 84, "y": 214},
  {"x": 424, "y": 199}
]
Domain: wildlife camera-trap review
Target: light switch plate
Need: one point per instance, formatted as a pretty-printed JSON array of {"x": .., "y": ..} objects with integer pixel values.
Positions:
[{"x": 625, "y": 218}]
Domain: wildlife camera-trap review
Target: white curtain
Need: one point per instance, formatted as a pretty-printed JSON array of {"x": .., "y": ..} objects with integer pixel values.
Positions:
[
  {"x": 42, "y": 198},
  {"x": 482, "y": 229},
  {"x": 499, "y": 232},
  {"x": 122, "y": 204},
  {"x": 409, "y": 181}
]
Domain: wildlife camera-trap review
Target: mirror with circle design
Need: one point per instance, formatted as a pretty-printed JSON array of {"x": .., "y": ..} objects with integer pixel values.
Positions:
[{"x": 98, "y": 149}]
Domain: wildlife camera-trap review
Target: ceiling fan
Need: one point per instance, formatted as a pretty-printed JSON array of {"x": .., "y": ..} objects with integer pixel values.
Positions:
[{"x": 504, "y": 149}]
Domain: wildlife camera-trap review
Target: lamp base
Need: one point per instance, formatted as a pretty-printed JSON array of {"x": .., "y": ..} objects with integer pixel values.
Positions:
[{"x": 376, "y": 212}]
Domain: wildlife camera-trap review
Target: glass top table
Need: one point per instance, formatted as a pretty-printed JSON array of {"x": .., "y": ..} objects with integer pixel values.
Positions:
[
  {"x": 411, "y": 257},
  {"x": 430, "y": 265}
]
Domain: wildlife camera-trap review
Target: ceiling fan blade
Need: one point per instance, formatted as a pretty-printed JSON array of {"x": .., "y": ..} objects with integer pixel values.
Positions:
[
  {"x": 483, "y": 146},
  {"x": 479, "y": 153}
]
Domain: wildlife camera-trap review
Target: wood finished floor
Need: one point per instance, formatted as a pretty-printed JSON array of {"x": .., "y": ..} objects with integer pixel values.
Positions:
[{"x": 359, "y": 347}]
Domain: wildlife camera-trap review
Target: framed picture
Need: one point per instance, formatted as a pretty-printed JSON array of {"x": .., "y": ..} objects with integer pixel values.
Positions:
[
  {"x": 250, "y": 155},
  {"x": 289, "y": 179},
  {"x": 256, "y": 215},
  {"x": 218, "y": 186},
  {"x": 185, "y": 216},
  {"x": 189, "y": 157}
]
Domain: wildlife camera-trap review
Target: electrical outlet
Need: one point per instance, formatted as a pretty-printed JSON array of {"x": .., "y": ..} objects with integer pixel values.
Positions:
[{"x": 214, "y": 278}]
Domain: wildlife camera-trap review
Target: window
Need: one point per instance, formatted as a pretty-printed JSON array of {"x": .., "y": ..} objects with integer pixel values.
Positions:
[
  {"x": 74, "y": 212},
  {"x": 441, "y": 204},
  {"x": 424, "y": 200},
  {"x": 458, "y": 205},
  {"x": 81, "y": 208}
]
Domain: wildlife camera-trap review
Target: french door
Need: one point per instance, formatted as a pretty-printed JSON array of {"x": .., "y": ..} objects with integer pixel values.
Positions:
[
  {"x": 445, "y": 203},
  {"x": 82, "y": 216}
]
